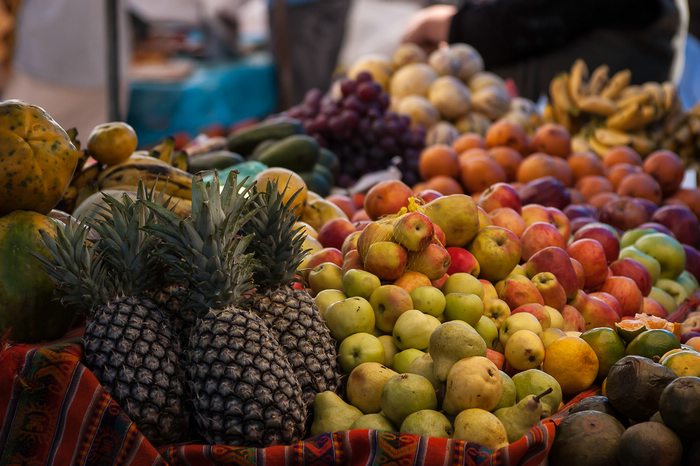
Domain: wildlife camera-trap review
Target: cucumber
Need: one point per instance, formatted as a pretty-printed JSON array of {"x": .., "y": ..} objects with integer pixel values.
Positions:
[
  {"x": 218, "y": 159},
  {"x": 245, "y": 141},
  {"x": 298, "y": 153}
]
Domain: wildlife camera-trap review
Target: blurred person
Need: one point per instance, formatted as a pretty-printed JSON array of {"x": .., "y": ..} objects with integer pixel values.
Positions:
[
  {"x": 306, "y": 38},
  {"x": 530, "y": 41},
  {"x": 60, "y": 60}
]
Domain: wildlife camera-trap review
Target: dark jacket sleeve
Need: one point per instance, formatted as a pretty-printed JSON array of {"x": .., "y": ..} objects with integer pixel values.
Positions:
[{"x": 505, "y": 31}]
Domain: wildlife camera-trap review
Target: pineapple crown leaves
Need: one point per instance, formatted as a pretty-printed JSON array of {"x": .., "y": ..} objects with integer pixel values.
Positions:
[
  {"x": 80, "y": 275},
  {"x": 208, "y": 249},
  {"x": 276, "y": 246}
]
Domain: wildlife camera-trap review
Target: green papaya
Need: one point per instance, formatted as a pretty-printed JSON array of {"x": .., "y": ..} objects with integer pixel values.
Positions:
[
  {"x": 245, "y": 141},
  {"x": 213, "y": 160},
  {"x": 298, "y": 153}
]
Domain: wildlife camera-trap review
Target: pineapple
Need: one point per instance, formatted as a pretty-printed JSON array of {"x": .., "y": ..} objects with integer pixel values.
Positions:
[
  {"x": 291, "y": 314},
  {"x": 128, "y": 341},
  {"x": 244, "y": 391}
]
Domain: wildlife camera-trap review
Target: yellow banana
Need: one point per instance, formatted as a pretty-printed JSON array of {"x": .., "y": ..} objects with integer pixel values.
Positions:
[
  {"x": 548, "y": 114},
  {"x": 640, "y": 98},
  {"x": 625, "y": 118},
  {"x": 163, "y": 150},
  {"x": 597, "y": 146},
  {"x": 579, "y": 144},
  {"x": 178, "y": 159},
  {"x": 616, "y": 84},
  {"x": 611, "y": 137},
  {"x": 599, "y": 77},
  {"x": 641, "y": 143},
  {"x": 649, "y": 114},
  {"x": 656, "y": 93},
  {"x": 694, "y": 125},
  {"x": 577, "y": 76},
  {"x": 670, "y": 95},
  {"x": 597, "y": 105},
  {"x": 684, "y": 135},
  {"x": 559, "y": 94}
]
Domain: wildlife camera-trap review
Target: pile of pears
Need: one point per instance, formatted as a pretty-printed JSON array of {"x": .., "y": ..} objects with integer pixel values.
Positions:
[{"x": 451, "y": 391}]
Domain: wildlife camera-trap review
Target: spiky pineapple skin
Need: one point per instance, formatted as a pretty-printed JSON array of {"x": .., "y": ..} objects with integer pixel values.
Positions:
[
  {"x": 131, "y": 349},
  {"x": 243, "y": 389},
  {"x": 173, "y": 299},
  {"x": 294, "y": 319}
]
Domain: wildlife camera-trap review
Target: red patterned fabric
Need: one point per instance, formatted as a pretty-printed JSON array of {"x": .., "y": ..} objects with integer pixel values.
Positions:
[{"x": 54, "y": 411}]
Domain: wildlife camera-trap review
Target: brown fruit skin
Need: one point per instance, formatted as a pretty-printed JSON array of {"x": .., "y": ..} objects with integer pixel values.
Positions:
[
  {"x": 506, "y": 133},
  {"x": 667, "y": 169},
  {"x": 640, "y": 185},
  {"x": 586, "y": 438},
  {"x": 552, "y": 139}
]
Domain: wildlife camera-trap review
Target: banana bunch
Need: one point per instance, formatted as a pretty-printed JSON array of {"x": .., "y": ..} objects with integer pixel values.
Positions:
[
  {"x": 681, "y": 134},
  {"x": 602, "y": 111},
  {"x": 159, "y": 169}
]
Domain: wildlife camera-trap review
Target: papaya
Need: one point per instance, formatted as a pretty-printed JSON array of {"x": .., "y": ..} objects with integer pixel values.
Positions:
[
  {"x": 28, "y": 309},
  {"x": 245, "y": 141},
  {"x": 213, "y": 160},
  {"x": 37, "y": 158},
  {"x": 298, "y": 153}
]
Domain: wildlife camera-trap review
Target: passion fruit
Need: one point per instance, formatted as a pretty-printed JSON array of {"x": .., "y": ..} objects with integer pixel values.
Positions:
[{"x": 588, "y": 438}]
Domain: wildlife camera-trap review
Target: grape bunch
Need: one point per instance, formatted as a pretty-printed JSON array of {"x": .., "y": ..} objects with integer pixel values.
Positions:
[{"x": 358, "y": 127}]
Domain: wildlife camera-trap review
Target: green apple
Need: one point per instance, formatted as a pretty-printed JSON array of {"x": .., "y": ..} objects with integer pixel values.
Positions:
[
  {"x": 673, "y": 288},
  {"x": 390, "y": 349},
  {"x": 689, "y": 282},
  {"x": 555, "y": 317},
  {"x": 649, "y": 263},
  {"x": 358, "y": 282},
  {"x": 327, "y": 297},
  {"x": 662, "y": 297},
  {"x": 463, "y": 283},
  {"x": 403, "y": 359},
  {"x": 389, "y": 302},
  {"x": 488, "y": 331},
  {"x": 519, "y": 321},
  {"x": 497, "y": 310},
  {"x": 630, "y": 237},
  {"x": 351, "y": 315},
  {"x": 497, "y": 250},
  {"x": 358, "y": 348},
  {"x": 462, "y": 306},
  {"x": 665, "y": 249},
  {"x": 325, "y": 276},
  {"x": 413, "y": 329},
  {"x": 428, "y": 299}
]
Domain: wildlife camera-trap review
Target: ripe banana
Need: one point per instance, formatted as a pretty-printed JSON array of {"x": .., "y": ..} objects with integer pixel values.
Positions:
[
  {"x": 670, "y": 95},
  {"x": 616, "y": 84},
  {"x": 641, "y": 143},
  {"x": 548, "y": 115},
  {"x": 162, "y": 175},
  {"x": 577, "y": 76},
  {"x": 561, "y": 102},
  {"x": 627, "y": 118},
  {"x": 579, "y": 144},
  {"x": 611, "y": 137},
  {"x": 597, "y": 105},
  {"x": 597, "y": 146},
  {"x": 599, "y": 78},
  {"x": 640, "y": 98},
  {"x": 656, "y": 93}
]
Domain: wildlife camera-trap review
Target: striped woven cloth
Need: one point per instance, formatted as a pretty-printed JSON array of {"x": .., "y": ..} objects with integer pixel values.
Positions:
[{"x": 54, "y": 411}]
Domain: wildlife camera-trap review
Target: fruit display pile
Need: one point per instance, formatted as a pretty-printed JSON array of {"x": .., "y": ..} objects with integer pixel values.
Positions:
[{"x": 234, "y": 291}]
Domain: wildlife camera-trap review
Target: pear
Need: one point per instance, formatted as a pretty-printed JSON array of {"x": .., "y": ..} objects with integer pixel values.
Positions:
[
  {"x": 423, "y": 365},
  {"x": 332, "y": 414},
  {"x": 456, "y": 215},
  {"x": 482, "y": 427},
  {"x": 520, "y": 418},
  {"x": 375, "y": 421},
  {"x": 428, "y": 423},
  {"x": 404, "y": 394},
  {"x": 365, "y": 384},
  {"x": 509, "y": 395},
  {"x": 452, "y": 341},
  {"x": 472, "y": 383},
  {"x": 534, "y": 381}
]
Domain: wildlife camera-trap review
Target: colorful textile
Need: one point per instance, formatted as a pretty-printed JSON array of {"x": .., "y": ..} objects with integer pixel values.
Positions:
[{"x": 54, "y": 411}]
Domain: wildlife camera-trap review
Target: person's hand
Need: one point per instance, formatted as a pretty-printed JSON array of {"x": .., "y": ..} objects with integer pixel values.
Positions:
[{"x": 430, "y": 26}]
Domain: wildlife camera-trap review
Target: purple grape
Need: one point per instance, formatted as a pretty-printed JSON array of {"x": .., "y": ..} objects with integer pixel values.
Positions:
[
  {"x": 363, "y": 76},
  {"x": 364, "y": 126},
  {"x": 313, "y": 97},
  {"x": 376, "y": 153},
  {"x": 347, "y": 87},
  {"x": 383, "y": 100},
  {"x": 345, "y": 180},
  {"x": 374, "y": 113},
  {"x": 368, "y": 91},
  {"x": 388, "y": 144},
  {"x": 336, "y": 126},
  {"x": 350, "y": 119}
]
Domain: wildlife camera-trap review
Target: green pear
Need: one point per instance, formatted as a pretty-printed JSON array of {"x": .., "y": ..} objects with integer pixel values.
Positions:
[
  {"x": 365, "y": 384},
  {"x": 358, "y": 282},
  {"x": 452, "y": 341},
  {"x": 404, "y": 394},
  {"x": 509, "y": 394},
  {"x": 423, "y": 365},
  {"x": 403, "y": 359},
  {"x": 480, "y": 426},
  {"x": 332, "y": 414},
  {"x": 520, "y": 418},
  {"x": 390, "y": 349},
  {"x": 428, "y": 423},
  {"x": 534, "y": 381},
  {"x": 376, "y": 421}
]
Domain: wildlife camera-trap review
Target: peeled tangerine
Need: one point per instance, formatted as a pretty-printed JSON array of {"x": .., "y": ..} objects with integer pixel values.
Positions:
[
  {"x": 472, "y": 383},
  {"x": 480, "y": 426}
]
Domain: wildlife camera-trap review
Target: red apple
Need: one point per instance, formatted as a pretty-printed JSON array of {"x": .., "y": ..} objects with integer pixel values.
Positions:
[
  {"x": 414, "y": 231},
  {"x": 573, "y": 320},
  {"x": 497, "y": 250},
  {"x": 411, "y": 280},
  {"x": 500, "y": 195},
  {"x": 580, "y": 210},
  {"x": 556, "y": 260},
  {"x": 324, "y": 255},
  {"x": 352, "y": 261},
  {"x": 439, "y": 234},
  {"x": 608, "y": 239},
  {"x": 580, "y": 273},
  {"x": 591, "y": 255},
  {"x": 508, "y": 218},
  {"x": 536, "y": 310},
  {"x": 432, "y": 261},
  {"x": 561, "y": 221},
  {"x": 350, "y": 242},
  {"x": 648, "y": 205},
  {"x": 580, "y": 222},
  {"x": 427, "y": 195},
  {"x": 627, "y": 293},
  {"x": 595, "y": 312},
  {"x": 651, "y": 307},
  {"x": 462, "y": 260},
  {"x": 658, "y": 227},
  {"x": 518, "y": 290},
  {"x": 608, "y": 299},
  {"x": 628, "y": 267},
  {"x": 538, "y": 236},
  {"x": 681, "y": 221},
  {"x": 551, "y": 290},
  {"x": 440, "y": 281},
  {"x": 360, "y": 215},
  {"x": 692, "y": 260},
  {"x": 624, "y": 213},
  {"x": 333, "y": 232},
  {"x": 547, "y": 191},
  {"x": 345, "y": 203},
  {"x": 386, "y": 259},
  {"x": 372, "y": 233},
  {"x": 386, "y": 197}
]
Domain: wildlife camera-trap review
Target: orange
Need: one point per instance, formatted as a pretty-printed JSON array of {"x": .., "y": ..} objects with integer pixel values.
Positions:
[
  {"x": 537, "y": 165},
  {"x": 617, "y": 172},
  {"x": 436, "y": 160},
  {"x": 288, "y": 182},
  {"x": 573, "y": 363},
  {"x": 468, "y": 141},
  {"x": 479, "y": 172},
  {"x": 640, "y": 185},
  {"x": 112, "y": 143},
  {"x": 509, "y": 159},
  {"x": 507, "y": 133},
  {"x": 444, "y": 185},
  {"x": 621, "y": 154},
  {"x": 666, "y": 168},
  {"x": 552, "y": 139},
  {"x": 584, "y": 164},
  {"x": 591, "y": 185}
]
